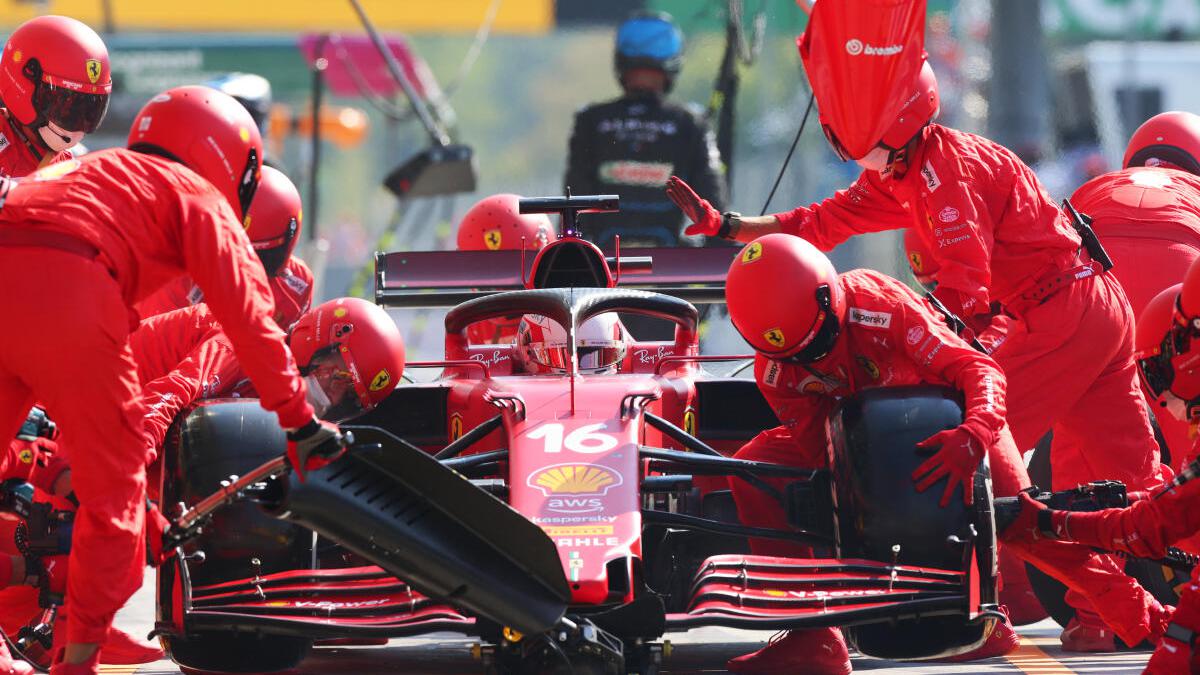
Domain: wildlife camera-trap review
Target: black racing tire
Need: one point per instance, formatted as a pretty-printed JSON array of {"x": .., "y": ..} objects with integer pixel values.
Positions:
[{"x": 211, "y": 442}]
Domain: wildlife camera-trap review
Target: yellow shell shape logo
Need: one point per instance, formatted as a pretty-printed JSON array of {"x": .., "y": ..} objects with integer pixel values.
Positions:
[{"x": 575, "y": 479}]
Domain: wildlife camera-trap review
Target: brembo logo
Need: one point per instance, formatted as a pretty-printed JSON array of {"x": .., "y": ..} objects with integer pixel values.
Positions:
[{"x": 854, "y": 47}]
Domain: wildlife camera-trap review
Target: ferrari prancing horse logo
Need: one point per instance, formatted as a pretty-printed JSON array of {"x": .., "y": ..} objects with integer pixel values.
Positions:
[
  {"x": 492, "y": 239},
  {"x": 753, "y": 252},
  {"x": 93, "y": 70},
  {"x": 775, "y": 337},
  {"x": 456, "y": 427},
  {"x": 382, "y": 378}
]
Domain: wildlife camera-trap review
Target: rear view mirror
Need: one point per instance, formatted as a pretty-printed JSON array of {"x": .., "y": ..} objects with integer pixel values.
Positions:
[{"x": 437, "y": 170}]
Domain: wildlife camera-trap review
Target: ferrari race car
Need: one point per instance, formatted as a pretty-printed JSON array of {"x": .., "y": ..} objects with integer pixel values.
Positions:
[{"x": 568, "y": 520}]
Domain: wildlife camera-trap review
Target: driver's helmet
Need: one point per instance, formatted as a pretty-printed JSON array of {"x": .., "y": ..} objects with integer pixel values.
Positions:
[{"x": 542, "y": 346}]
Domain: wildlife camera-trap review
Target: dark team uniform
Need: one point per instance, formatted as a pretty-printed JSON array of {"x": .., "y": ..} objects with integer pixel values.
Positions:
[{"x": 630, "y": 147}]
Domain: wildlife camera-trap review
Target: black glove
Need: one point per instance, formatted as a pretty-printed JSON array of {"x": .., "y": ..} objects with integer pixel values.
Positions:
[{"x": 315, "y": 445}]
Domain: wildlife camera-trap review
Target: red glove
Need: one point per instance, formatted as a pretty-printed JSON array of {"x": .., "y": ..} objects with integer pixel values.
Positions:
[
  {"x": 706, "y": 219},
  {"x": 315, "y": 445},
  {"x": 1026, "y": 526},
  {"x": 959, "y": 455},
  {"x": 156, "y": 531}
]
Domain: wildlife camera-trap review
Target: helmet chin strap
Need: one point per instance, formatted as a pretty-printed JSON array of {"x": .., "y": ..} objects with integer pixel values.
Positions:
[{"x": 898, "y": 159}]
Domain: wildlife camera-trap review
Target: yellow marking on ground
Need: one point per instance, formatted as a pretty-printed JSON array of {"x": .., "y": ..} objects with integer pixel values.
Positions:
[
  {"x": 119, "y": 670},
  {"x": 1030, "y": 659}
]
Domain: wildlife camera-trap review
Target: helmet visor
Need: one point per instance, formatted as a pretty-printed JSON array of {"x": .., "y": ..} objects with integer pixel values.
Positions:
[
  {"x": 69, "y": 109},
  {"x": 1157, "y": 373},
  {"x": 249, "y": 182},
  {"x": 272, "y": 258},
  {"x": 838, "y": 148},
  {"x": 328, "y": 370},
  {"x": 592, "y": 357}
]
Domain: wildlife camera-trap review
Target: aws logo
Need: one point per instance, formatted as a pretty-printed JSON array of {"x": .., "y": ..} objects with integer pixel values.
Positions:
[{"x": 574, "y": 479}]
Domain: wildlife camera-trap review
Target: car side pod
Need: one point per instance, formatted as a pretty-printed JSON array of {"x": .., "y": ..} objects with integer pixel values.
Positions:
[{"x": 398, "y": 507}]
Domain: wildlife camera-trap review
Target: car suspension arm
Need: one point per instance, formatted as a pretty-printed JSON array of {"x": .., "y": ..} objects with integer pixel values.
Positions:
[
  {"x": 679, "y": 520},
  {"x": 470, "y": 438}
]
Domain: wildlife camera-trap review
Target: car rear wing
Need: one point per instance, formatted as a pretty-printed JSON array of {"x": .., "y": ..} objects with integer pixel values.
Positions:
[{"x": 447, "y": 278}]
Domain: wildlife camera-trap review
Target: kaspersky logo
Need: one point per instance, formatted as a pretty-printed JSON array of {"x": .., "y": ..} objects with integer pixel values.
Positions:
[
  {"x": 574, "y": 480},
  {"x": 856, "y": 47}
]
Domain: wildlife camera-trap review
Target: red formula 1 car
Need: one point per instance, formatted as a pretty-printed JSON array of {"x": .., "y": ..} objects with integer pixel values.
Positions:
[{"x": 568, "y": 520}]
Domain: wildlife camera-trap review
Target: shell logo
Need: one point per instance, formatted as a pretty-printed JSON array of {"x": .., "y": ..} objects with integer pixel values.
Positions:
[{"x": 574, "y": 479}]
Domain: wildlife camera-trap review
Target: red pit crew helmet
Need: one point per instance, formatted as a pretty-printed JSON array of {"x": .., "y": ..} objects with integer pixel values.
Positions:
[
  {"x": 495, "y": 223},
  {"x": 362, "y": 342},
  {"x": 1168, "y": 353},
  {"x": 800, "y": 325},
  {"x": 208, "y": 132},
  {"x": 1170, "y": 139},
  {"x": 55, "y": 79},
  {"x": 274, "y": 219}
]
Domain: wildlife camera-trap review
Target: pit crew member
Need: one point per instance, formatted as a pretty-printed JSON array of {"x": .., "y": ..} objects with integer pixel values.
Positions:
[
  {"x": 1002, "y": 247},
  {"x": 54, "y": 84},
  {"x": 496, "y": 223},
  {"x": 835, "y": 335},
  {"x": 273, "y": 224},
  {"x": 1167, "y": 342},
  {"x": 632, "y": 144},
  {"x": 81, "y": 242},
  {"x": 1148, "y": 216}
]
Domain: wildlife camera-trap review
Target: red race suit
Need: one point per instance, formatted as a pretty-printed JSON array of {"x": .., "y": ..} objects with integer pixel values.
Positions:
[
  {"x": 1146, "y": 528},
  {"x": 81, "y": 242},
  {"x": 889, "y": 338},
  {"x": 1149, "y": 221},
  {"x": 291, "y": 288},
  {"x": 17, "y": 157},
  {"x": 998, "y": 238}
]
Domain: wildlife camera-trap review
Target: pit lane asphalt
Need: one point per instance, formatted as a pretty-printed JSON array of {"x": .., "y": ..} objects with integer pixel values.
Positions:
[{"x": 698, "y": 651}]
